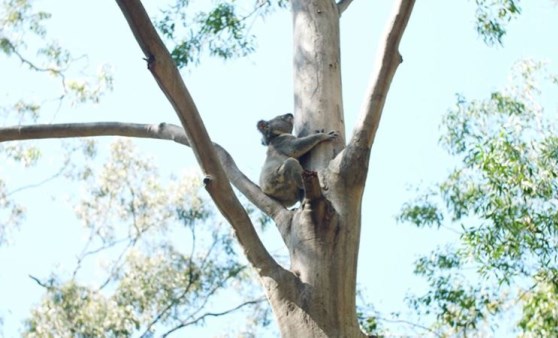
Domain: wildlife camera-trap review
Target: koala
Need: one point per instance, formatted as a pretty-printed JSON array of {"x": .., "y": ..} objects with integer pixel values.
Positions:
[{"x": 281, "y": 176}]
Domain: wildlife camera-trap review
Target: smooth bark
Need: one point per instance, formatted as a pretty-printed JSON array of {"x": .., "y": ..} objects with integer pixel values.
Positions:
[
  {"x": 388, "y": 60},
  {"x": 325, "y": 233},
  {"x": 318, "y": 102}
]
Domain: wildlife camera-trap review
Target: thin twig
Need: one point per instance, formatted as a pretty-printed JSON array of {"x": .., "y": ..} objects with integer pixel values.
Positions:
[
  {"x": 406, "y": 322},
  {"x": 40, "y": 183},
  {"x": 38, "y": 281},
  {"x": 212, "y": 314},
  {"x": 56, "y": 71}
]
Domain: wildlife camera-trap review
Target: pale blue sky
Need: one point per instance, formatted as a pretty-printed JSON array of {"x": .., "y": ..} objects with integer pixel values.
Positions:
[{"x": 442, "y": 56}]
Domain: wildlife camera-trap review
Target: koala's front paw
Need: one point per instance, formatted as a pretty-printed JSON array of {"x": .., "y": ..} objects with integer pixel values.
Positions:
[
  {"x": 329, "y": 136},
  {"x": 332, "y": 135}
]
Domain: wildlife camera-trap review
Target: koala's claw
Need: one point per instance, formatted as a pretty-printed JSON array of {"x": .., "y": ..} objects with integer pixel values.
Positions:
[
  {"x": 329, "y": 136},
  {"x": 333, "y": 134}
]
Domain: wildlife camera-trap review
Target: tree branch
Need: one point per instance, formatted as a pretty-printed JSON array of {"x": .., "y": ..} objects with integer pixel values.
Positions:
[
  {"x": 164, "y": 70},
  {"x": 390, "y": 57},
  {"x": 40, "y": 183},
  {"x": 406, "y": 322},
  {"x": 371, "y": 111},
  {"x": 30, "y": 64},
  {"x": 212, "y": 314},
  {"x": 47, "y": 286},
  {"x": 342, "y": 5},
  {"x": 69, "y": 130},
  {"x": 162, "y": 131}
]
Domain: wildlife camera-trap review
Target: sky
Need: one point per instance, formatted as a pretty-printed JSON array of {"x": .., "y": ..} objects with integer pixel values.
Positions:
[{"x": 442, "y": 56}]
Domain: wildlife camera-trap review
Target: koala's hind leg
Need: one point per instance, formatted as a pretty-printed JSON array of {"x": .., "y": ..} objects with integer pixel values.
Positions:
[
  {"x": 290, "y": 188},
  {"x": 291, "y": 170}
]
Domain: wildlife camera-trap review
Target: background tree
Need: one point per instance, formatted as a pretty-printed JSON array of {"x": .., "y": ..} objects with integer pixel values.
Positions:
[
  {"x": 322, "y": 235},
  {"x": 500, "y": 200},
  {"x": 152, "y": 284},
  {"x": 147, "y": 281}
]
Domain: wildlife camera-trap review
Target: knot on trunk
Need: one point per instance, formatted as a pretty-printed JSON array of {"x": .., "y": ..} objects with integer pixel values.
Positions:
[
  {"x": 314, "y": 203},
  {"x": 312, "y": 189}
]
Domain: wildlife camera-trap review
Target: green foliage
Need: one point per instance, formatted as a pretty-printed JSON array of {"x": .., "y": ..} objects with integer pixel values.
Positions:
[
  {"x": 76, "y": 311},
  {"x": 17, "y": 16},
  {"x": 493, "y": 16},
  {"x": 28, "y": 155},
  {"x": 156, "y": 257},
  {"x": 540, "y": 309},
  {"x": 451, "y": 298},
  {"x": 22, "y": 27},
  {"x": 222, "y": 30},
  {"x": 368, "y": 324},
  {"x": 164, "y": 257},
  {"x": 368, "y": 318},
  {"x": 11, "y": 213},
  {"x": 502, "y": 201},
  {"x": 25, "y": 153},
  {"x": 421, "y": 212}
]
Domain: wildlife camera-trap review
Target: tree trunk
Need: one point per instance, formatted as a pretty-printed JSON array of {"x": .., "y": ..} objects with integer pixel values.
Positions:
[
  {"x": 318, "y": 101},
  {"x": 323, "y": 236},
  {"x": 316, "y": 297}
]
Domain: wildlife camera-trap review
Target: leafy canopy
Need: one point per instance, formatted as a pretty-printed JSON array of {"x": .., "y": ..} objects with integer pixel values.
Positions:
[{"x": 501, "y": 200}]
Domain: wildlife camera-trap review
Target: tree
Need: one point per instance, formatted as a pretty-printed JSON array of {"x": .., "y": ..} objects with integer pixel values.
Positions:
[
  {"x": 153, "y": 284},
  {"x": 500, "y": 200},
  {"x": 312, "y": 298}
]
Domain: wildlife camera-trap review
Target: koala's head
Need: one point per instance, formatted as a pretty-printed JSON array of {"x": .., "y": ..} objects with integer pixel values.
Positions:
[{"x": 282, "y": 124}]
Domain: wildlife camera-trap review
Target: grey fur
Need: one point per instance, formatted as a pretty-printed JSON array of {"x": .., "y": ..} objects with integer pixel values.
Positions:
[{"x": 281, "y": 176}]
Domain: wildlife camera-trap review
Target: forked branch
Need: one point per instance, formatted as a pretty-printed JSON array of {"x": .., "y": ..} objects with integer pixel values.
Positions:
[
  {"x": 342, "y": 5},
  {"x": 165, "y": 72},
  {"x": 162, "y": 131},
  {"x": 389, "y": 59}
]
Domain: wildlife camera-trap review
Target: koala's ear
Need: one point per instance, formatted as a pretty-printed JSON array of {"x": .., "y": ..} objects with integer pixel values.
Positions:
[{"x": 262, "y": 126}]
